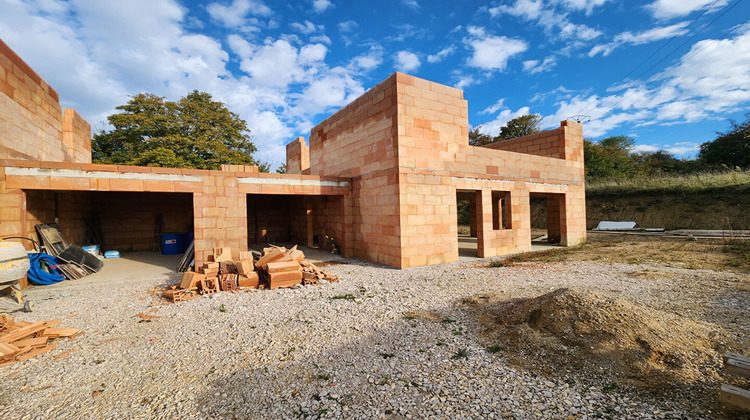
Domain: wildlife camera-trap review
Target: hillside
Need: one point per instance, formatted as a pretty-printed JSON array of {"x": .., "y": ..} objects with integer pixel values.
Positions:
[{"x": 701, "y": 201}]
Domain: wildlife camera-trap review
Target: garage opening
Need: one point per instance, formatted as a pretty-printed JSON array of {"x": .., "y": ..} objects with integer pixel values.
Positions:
[
  {"x": 547, "y": 212},
  {"x": 129, "y": 222}
]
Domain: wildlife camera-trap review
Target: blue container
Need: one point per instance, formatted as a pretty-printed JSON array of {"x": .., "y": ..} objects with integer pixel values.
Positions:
[
  {"x": 171, "y": 243},
  {"x": 186, "y": 239},
  {"x": 112, "y": 254}
]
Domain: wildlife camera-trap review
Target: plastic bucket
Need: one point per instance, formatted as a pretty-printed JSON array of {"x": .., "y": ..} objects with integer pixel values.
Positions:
[{"x": 171, "y": 243}]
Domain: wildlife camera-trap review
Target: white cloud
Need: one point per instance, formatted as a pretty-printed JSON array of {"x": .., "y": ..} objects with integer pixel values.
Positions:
[
  {"x": 586, "y": 5},
  {"x": 535, "y": 66},
  {"x": 234, "y": 15},
  {"x": 710, "y": 80},
  {"x": 555, "y": 21},
  {"x": 306, "y": 27},
  {"x": 629, "y": 38},
  {"x": 441, "y": 55},
  {"x": 492, "y": 52},
  {"x": 406, "y": 61},
  {"x": 528, "y": 9},
  {"x": 412, "y": 4},
  {"x": 493, "y": 108},
  {"x": 667, "y": 9},
  {"x": 348, "y": 26},
  {"x": 321, "y": 6},
  {"x": 368, "y": 61}
]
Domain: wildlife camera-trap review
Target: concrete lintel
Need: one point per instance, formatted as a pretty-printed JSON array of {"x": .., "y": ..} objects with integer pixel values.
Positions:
[
  {"x": 501, "y": 181},
  {"x": 294, "y": 182},
  {"x": 75, "y": 173}
]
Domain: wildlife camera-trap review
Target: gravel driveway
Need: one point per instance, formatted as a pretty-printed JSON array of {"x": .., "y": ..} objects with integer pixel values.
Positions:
[{"x": 340, "y": 350}]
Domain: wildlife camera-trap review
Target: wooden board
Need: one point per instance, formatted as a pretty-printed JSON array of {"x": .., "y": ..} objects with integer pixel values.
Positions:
[
  {"x": 736, "y": 396},
  {"x": 738, "y": 367}
]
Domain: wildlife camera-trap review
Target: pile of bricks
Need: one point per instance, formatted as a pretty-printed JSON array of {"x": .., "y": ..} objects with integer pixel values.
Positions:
[
  {"x": 281, "y": 267},
  {"x": 21, "y": 340},
  {"x": 277, "y": 267}
]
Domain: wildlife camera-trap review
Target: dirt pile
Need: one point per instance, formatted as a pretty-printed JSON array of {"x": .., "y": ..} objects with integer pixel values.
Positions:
[{"x": 572, "y": 330}]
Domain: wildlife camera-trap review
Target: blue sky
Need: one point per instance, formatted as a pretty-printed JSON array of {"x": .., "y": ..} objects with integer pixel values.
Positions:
[{"x": 286, "y": 66}]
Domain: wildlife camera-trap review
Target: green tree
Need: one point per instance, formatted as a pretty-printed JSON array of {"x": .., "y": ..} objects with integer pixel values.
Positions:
[
  {"x": 194, "y": 132},
  {"x": 477, "y": 138},
  {"x": 517, "y": 127},
  {"x": 731, "y": 149},
  {"x": 609, "y": 158},
  {"x": 521, "y": 126},
  {"x": 281, "y": 169}
]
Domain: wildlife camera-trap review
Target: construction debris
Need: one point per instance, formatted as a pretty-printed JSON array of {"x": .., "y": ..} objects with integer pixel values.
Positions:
[
  {"x": 277, "y": 267},
  {"x": 21, "y": 340}
]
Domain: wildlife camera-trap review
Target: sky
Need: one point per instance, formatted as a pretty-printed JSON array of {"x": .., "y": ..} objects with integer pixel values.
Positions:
[{"x": 668, "y": 73}]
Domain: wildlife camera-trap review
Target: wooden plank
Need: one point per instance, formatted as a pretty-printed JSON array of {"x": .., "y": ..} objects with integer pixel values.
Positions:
[
  {"x": 736, "y": 356},
  {"x": 32, "y": 342},
  {"x": 736, "y": 396},
  {"x": 36, "y": 352},
  {"x": 738, "y": 367},
  {"x": 23, "y": 332},
  {"x": 53, "y": 322},
  {"x": 59, "y": 332},
  {"x": 8, "y": 349}
]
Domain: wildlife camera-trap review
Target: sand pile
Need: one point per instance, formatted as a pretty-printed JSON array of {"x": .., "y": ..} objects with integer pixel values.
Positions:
[{"x": 571, "y": 330}]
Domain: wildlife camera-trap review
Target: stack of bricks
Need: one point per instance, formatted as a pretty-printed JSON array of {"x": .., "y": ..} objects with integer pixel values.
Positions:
[
  {"x": 277, "y": 267},
  {"x": 281, "y": 267},
  {"x": 221, "y": 273}
]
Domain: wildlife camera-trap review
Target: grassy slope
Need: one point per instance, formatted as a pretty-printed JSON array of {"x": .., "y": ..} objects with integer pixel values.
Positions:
[{"x": 703, "y": 201}]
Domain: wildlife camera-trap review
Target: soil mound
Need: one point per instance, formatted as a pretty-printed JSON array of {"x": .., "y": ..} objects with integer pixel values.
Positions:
[{"x": 571, "y": 330}]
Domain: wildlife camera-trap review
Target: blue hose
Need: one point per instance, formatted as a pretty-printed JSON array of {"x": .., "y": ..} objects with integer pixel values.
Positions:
[{"x": 37, "y": 275}]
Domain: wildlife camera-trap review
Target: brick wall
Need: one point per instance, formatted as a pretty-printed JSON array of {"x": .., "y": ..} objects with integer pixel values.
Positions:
[
  {"x": 405, "y": 145},
  {"x": 358, "y": 139},
  {"x": 128, "y": 219},
  {"x": 220, "y": 215},
  {"x": 297, "y": 157},
  {"x": 268, "y": 218},
  {"x": 31, "y": 120},
  {"x": 76, "y": 136}
]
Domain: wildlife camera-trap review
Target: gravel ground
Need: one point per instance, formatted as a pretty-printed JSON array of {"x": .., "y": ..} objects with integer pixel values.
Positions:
[{"x": 301, "y": 353}]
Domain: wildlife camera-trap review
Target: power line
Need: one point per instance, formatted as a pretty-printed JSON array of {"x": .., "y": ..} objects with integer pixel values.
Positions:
[
  {"x": 593, "y": 106},
  {"x": 685, "y": 60}
]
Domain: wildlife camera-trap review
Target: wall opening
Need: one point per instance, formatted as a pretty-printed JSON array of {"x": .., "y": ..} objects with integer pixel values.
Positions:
[
  {"x": 467, "y": 223},
  {"x": 547, "y": 212},
  {"x": 501, "y": 216},
  {"x": 312, "y": 221}
]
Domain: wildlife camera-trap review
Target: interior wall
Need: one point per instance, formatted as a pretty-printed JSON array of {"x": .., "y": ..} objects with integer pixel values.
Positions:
[
  {"x": 128, "y": 220},
  {"x": 69, "y": 207},
  {"x": 268, "y": 218}
]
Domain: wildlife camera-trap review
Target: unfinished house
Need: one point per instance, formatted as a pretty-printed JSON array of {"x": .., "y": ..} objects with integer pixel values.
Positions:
[{"x": 381, "y": 180}]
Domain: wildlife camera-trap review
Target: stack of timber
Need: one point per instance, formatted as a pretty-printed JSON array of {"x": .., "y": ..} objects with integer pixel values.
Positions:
[
  {"x": 737, "y": 365},
  {"x": 20, "y": 340},
  {"x": 277, "y": 267},
  {"x": 79, "y": 263}
]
